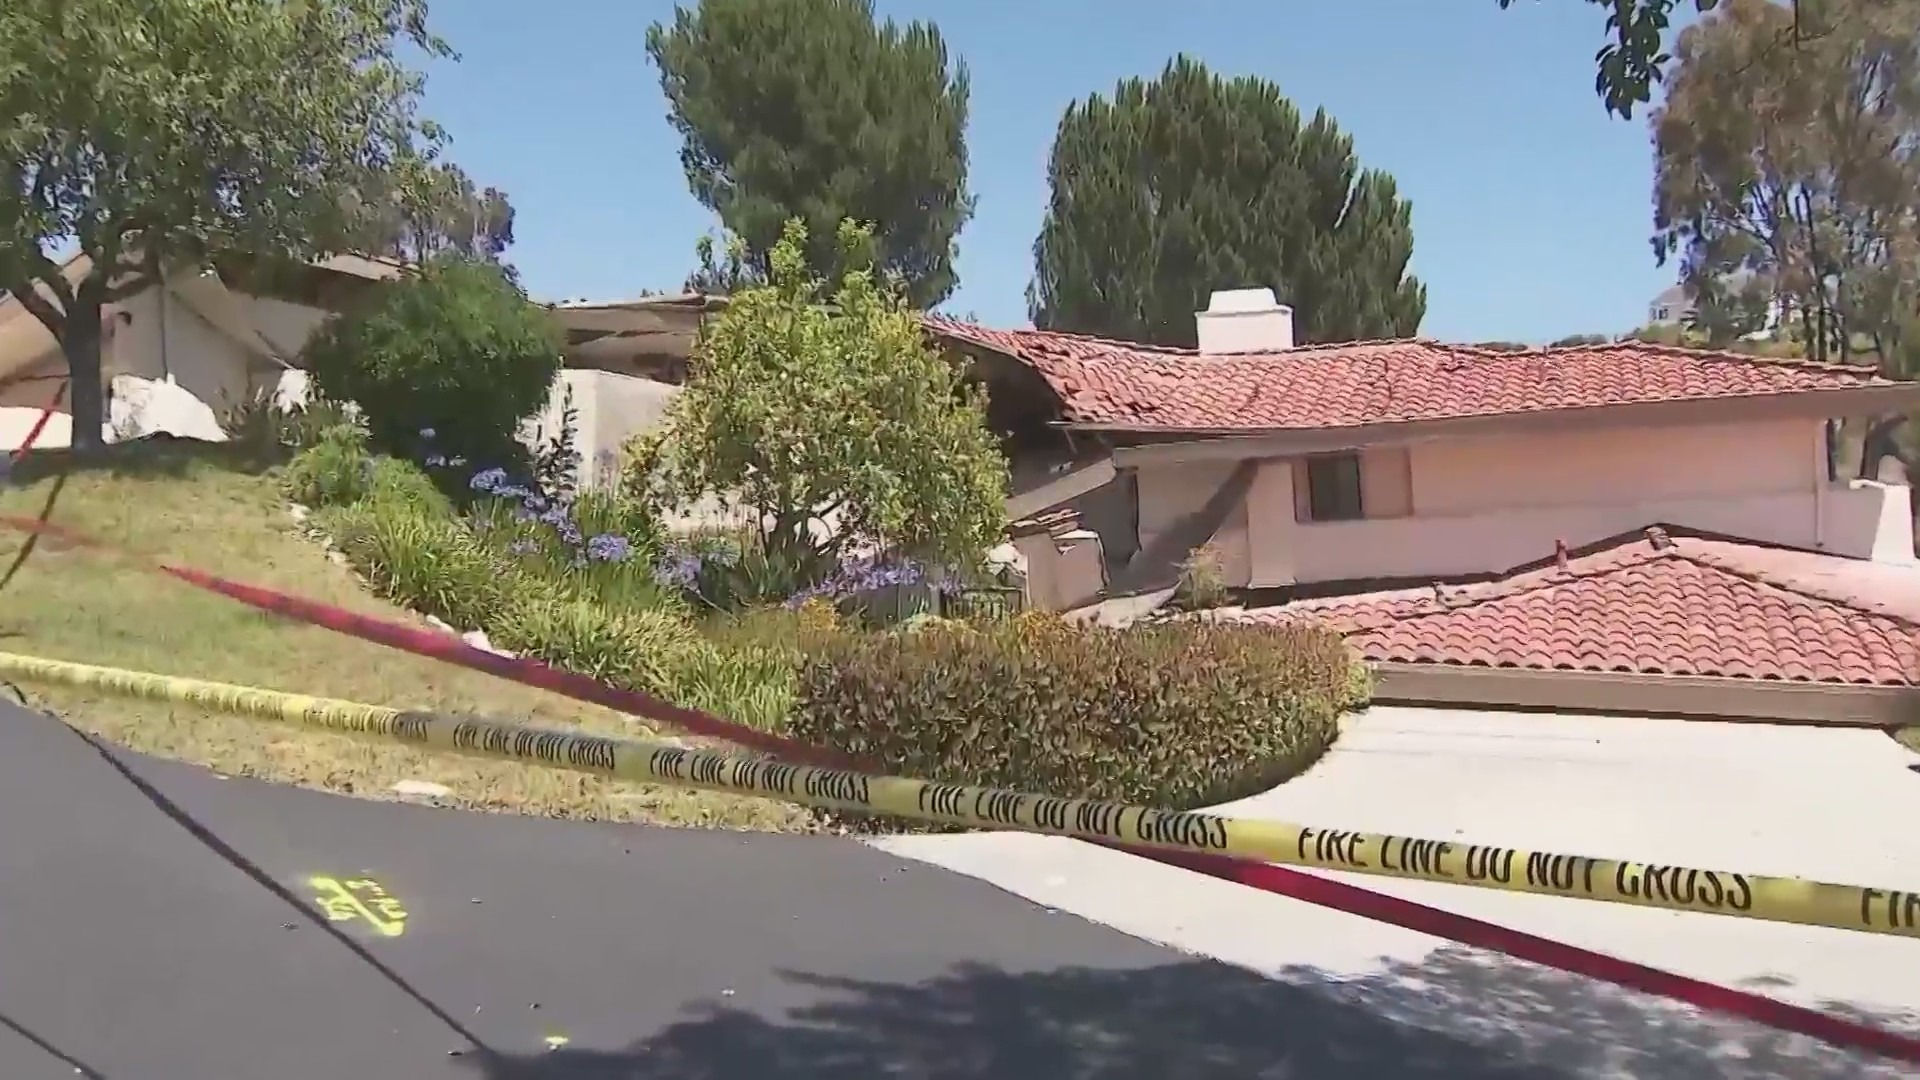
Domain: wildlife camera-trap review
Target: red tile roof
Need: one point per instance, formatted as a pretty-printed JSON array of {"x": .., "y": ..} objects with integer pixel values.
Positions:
[
  {"x": 1115, "y": 383},
  {"x": 1660, "y": 604}
]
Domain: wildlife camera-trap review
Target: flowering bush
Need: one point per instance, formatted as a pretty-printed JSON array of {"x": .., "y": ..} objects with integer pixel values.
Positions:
[{"x": 596, "y": 545}]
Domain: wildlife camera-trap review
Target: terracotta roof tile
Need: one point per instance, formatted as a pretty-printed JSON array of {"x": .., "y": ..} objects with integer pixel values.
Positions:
[
  {"x": 1318, "y": 386},
  {"x": 1676, "y": 606}
]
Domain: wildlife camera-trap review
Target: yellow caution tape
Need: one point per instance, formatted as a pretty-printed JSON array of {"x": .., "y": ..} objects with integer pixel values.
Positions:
[{"x": 1677, "y": 888}]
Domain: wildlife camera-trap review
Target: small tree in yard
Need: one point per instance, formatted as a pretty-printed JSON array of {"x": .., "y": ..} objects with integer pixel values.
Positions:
[
  {"x": 149, "y": 133},
  {"x": 808, "y": 404},
  {"x": 449, "y": 362}
]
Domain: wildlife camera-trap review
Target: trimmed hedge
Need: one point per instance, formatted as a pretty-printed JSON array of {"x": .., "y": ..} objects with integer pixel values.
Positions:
[{"x": 1176, "y": 715}]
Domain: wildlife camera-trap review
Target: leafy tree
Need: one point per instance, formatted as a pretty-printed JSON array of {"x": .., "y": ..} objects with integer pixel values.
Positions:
[
  {"x": 809, "y": 109},
  {"x": 723, "y": 269},
  {"x": 1791, "y": 174},
  {"x": 815, "y": 403},
  {"x": 154, "y": 132},
  {"x": 455, "y": 350},
  {"x": 1193, "y": 182},
  {"x": 428, "y": 209},
  {"x": 1636, "y": 59},
  {"x": 1573, "y": 340}
]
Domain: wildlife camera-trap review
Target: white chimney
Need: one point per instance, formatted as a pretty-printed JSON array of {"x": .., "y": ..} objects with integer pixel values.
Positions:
[{"x": 1244, "y": 321}]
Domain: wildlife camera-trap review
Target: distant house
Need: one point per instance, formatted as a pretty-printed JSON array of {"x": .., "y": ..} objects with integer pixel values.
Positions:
[
  {"x": 1673, "y": 306},
  {"x": 1677, "y": 305},
  {"x": 625, "y": 362},
  {"x": 1346, "y": 470},
  {"x": 180, "y": 350},
  {"x": 177, "y": 353}
]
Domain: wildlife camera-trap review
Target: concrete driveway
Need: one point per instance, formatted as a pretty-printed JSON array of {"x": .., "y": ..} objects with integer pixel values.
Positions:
[{"x": 1830, "y": 804}]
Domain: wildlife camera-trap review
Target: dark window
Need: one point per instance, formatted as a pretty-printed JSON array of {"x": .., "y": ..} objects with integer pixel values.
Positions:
[{"x": 1333, "y": 488}]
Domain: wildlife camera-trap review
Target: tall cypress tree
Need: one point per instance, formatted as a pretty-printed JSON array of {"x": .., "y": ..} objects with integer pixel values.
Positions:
[
  {"x": 1191, "y": 183},
  {"x": 810, "y": 109}
]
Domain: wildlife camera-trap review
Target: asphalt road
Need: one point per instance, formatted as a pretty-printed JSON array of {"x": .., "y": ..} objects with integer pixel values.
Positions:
[
  {"x": 1772, "y": 799},
  {"x": 157, "y": 921}
]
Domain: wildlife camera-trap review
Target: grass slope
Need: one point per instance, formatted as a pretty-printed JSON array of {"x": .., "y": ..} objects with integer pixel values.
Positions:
[{"x": 212, "y": 508}]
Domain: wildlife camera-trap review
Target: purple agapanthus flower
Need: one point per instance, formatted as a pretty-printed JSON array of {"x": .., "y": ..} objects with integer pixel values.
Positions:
[
  {"x": 608, "y": 547},
  {"x": 679, "y": 569}
]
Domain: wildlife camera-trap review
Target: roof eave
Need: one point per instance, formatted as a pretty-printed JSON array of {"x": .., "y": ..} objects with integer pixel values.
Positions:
[{"x": 1198, "y": 444}]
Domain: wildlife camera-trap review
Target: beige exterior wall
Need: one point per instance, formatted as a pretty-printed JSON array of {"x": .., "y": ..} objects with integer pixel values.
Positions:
[
  {"x": 169, "y": 341},
  {"x": 285, "y": 326},
  {"x": 170, "y": 369},
  {"x": 610, "y": 410},
  {"x": 1171, "y": 493},
  {"x": 1466, "y": 506}
]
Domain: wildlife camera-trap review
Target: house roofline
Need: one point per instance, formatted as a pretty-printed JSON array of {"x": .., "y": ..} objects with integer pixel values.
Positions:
[
  {"x": 1228, "y": 444},
  {"x": 1698, "y": 697}
]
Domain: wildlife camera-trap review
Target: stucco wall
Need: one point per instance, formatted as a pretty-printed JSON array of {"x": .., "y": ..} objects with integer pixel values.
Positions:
[
  {"x": 1485, "y": 505},
  {"x": 610, "y": 410},
  {"x": 285, "y": 326},
  {"x": 168, "y": 341},
  {"x": 1170, "y": 493}
]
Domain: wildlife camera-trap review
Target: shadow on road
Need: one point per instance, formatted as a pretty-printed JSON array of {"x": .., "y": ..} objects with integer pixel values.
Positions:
[
  {"x": 1458, "y": 1016},
  {"x": 28, "y": 1035}
]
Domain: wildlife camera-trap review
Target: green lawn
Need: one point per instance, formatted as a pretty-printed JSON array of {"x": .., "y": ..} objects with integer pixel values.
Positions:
[{"x": 213, "y": 509}]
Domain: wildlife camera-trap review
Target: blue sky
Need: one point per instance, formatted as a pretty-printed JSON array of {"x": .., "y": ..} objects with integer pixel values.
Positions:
[{"x": 1530, "y": 204}]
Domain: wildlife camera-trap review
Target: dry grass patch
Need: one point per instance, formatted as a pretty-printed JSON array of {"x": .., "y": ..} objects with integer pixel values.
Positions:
[{"x": 213, "y": 509}]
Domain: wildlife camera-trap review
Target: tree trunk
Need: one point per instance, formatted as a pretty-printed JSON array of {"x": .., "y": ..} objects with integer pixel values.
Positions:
[{"x": 80, "y": 341}]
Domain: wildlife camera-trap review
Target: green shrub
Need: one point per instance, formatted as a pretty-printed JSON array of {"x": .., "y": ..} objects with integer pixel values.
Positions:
[
  {"x": 404, "y": 485},
  {"x": 337, "y": 470},
  {"x": 751, "y": 686},
  {"x": 791, "y": 630},
  {"x": 1175, "y": 715},
  {"x": 425, "y": 562},
  {"x": 732, "y": 569},
  {"x": 807, "y": 392},
  {"x": 448, "y": 362},
  {"x": 1359, "y": 687},
  {"x": 261, "y": 421},
  {"x": 1202, "y": 583},
  {"x": 654, "y": 652},
  {"x": 634, "y": 649}
]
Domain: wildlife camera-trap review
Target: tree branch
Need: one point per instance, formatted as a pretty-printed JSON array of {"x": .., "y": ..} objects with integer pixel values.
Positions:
[{"x": 29, "y": 296}]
